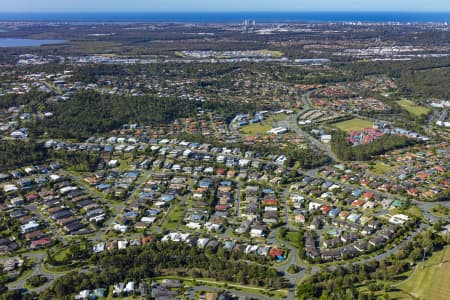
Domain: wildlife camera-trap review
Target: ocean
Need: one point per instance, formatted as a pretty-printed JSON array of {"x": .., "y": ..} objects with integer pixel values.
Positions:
[{"x": 225, "y": 17}]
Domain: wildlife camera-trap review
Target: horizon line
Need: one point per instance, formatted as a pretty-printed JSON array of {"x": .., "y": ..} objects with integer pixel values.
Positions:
[{"x": 230, "y": 11}]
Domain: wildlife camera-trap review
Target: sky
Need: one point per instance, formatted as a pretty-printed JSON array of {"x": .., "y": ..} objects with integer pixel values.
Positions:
[{"x": 220, "y": 5}]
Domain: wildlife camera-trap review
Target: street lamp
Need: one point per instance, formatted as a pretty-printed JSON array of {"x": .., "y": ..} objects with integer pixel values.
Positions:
[{"x": 423, "y": 259}]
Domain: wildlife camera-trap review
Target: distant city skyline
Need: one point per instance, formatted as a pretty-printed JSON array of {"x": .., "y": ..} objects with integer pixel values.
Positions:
[{"x": 219, "y": 5}]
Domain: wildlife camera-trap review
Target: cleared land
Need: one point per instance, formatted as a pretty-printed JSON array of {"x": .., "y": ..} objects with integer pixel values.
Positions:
[
  {"x": 263, "y": 127},
  {"x": 413, "y": 108},
  {"x": 174, "y": 217},
  {"x": 255, "y": 129},
  {"x": 272, "y": 52},
  {"x": 353, "y": 124},
  {"x": 431, "y": 282},
  {"x": 382, "y": 168}
]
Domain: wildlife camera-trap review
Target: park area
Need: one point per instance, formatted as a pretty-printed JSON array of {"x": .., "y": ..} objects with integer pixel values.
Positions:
[
  {"x": 255, "y": 129},
  {"x": 432, "y": 280},
  {"x": 381, "y": 168},
  {"x": 353, "y": 125},
  {"x": 413, "y": 108},
  {"x": 262, "y": 127}
]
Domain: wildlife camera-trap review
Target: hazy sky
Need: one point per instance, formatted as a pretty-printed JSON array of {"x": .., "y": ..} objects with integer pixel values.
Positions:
[{"x": 221, "y": 5}]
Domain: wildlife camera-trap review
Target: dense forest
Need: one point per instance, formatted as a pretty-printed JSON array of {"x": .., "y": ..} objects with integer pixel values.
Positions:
[
  {"x": 423, "y": 78},
  {"x": 33, "y": 100},
  {"x": 426, "y": 83},
  {"x": 157, "y": 259},
  {"x": 15, "y": 154},
  {"x": 90, "y": 112},
  {"x": 345, "y": 151}
]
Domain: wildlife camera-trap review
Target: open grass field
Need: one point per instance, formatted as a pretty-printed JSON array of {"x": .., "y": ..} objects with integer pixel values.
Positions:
[
  {"x": 433, "y": 281},
  {"x": 353, "y": 124},
  {"x": 382, "y": 168},
  {"x": 174, "y": 217},
  {"x": 263, "y": 127},
  {"x": 61, "y": 255},
  {"x": 276, "y": 118},
  {"x": 413, "y": 108},
  {"x": 255, "y": 129},
  {"x": 292, "y": 237}
]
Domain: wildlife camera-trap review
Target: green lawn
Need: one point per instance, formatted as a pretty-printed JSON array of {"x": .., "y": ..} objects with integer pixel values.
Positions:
[
  {"x": 431, "y": 282},
  {"x": 61, "y": 254},
  {"x": 174, "y": 217},
  {"x": 415, "y": 211},
  {"x": 353, "y": 124},
  {"x": 440, "y": 210},
  {"x": 263, "y": 127},
  {"x": 292, "y": 237},
  {"x": 381, "y": 168},
  {"x": 255, "y": 129},
  {"x": 413, "y": 108},
  {"x": 276, "y": 118}
]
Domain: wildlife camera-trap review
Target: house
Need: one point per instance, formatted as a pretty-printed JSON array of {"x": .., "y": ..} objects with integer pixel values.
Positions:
[
  {"x": 171, "y": 283},
  {"x": 325, "y": 209},
  {"x": 143, "y": 289},
  {"x": 263, "y": 250},
  {"x": 361, "y": 246},
  {"x": 17, "y": 201},
  {"x": 368, "y": 195},
  {"x": 257, "y": 232},
  {"x": 34, "y": 235},
  {"x": 251, "y": 248},
  {"x": 386, "y": 203},
  {"x": 9, "y": 188},
  {"x": 331, "y": 243},
  {"x": 334, "y": 212},
  {"x": 278, "y": 131},
  {"x": 129, "y": 288},
  {"x": 314, "y": 205},
  {"x": 213, "y": 244},
  {"x": 399, "y": 219},
  {"x": 315, "y": 223},
  {"x": 413, "y": 192},
  {"x": 202, "y": 242},
  {"x": 276, "y": 253},
  {"x": 29, "y": 226},
  {"x": 85, "y": 294},
  {"x": 98, "y": 248},
  {"x": 377, "y": 241},
  {"x": 113, "y": 163},
  {"x": 369, "y": 205},
  {"x": 358, "y": 203},
  {"x": 147, "y": 239},
  {"x": 44, "y": 242},
  {"x": 396, "y": 204},
  {"x": 229, "y": 245},
  {"x": 329, "y": 254},
  {"x": 299, "y": 219},
  {"x": 356, "y": 193},
  {"x": 325, "y": 138},
  {"x": 354, "y": 217},
  {"x": 244, "y": 227},
  {"x": 118, "y": 289}
]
